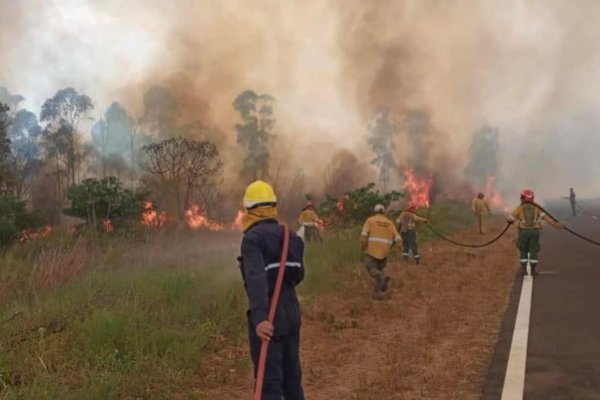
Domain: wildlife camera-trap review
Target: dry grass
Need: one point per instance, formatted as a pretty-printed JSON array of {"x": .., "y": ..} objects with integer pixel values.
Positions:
[{"x": 431, "y": 339}]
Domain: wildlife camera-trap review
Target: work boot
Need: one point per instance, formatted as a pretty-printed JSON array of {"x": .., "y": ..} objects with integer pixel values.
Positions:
[
  {"x": 418, "y": 260},
  {"x": 533, "y": 270},
  {"x": 383, "y": 286},
  {"x": 523, "y": 269}
]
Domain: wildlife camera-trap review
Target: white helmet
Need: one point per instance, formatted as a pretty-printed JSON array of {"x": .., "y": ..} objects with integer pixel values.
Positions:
[{"x": 379, "y": 208}]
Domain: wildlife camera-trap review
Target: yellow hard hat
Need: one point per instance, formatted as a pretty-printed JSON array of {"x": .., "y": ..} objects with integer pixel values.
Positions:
[{"x": 259, "y": 192}]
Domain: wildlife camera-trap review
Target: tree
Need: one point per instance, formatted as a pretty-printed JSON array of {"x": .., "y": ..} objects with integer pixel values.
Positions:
[
  {"x": 160, "y": 110},
  {"x": 112, "y": 134},
  {"x": 99, "y": 200},
  {"x": 256, "y": 131},
  {"x": 63, "y": 112},
  {"x": 183, "y": 167},
  {"x": 25, "y": 135},
  {"x": 483, "y": 156},
  {"x": 5, "y": 154},
  {"x": 10, "y": 99},
  {"x": 381, "y": 142}
]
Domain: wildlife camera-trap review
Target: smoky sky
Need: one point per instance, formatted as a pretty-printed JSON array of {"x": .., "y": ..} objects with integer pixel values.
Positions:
[{"x": 527, "y": 67}]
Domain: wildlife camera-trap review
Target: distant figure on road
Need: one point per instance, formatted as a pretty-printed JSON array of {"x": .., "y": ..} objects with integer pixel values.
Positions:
[
  {"x": 481, "y": 208},
  {"x": 573, "y": 201},
  {"x": 406, "y": 224},
  {"x": 309, "y": 220},
  {"x": 377, "y": 237},
  {"x": 529, "y": 217}
]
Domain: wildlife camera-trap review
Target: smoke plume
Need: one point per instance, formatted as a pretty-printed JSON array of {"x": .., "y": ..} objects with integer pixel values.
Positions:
[{"x": 527, "y": 67}]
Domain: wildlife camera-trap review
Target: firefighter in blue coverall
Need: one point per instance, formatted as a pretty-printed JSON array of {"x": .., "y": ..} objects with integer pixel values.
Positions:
[{"x": 259, "y": 263}]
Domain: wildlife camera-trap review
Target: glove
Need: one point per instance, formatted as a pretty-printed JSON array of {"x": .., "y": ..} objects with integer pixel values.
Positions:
[
  {"x": 510, "y": 221},
  {"x": 560, "y": 225}
]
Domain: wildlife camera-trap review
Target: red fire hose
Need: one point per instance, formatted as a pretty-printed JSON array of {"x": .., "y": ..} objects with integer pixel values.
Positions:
[{"x": 262, "y": 360}]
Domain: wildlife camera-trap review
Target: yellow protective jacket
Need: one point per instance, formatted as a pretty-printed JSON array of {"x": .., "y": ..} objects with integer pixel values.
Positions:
[
  {"x": 378, "y": 235},
  {"x": 480, "y": 206},
  {"x": 529, "y": 217},
  {"x": 308, "y": 218},
  {"x": 407, "y": 221}
]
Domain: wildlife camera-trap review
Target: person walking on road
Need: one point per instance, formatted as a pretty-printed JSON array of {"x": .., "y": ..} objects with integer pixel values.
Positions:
[
  {"x": 573, "y": 201},
  {"x": 481, "y": 209},
  {"x": 309, "y": 220},
  {"x": 406, "y": 224},
  {"x": 259, "y": 264},
  {"x": 529, "y": 217},
  {"x": 376, "y": 239}
]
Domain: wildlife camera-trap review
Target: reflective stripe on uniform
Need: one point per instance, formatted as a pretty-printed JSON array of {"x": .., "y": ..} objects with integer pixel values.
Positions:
[
  {"x": 365, "y": 234},
  {"x": 523, "y": 260},
  {"x": 533, "y": 261},
  {"x": 397, "y": 238},
  {"x": 380, "y": 240},
  {"x": 309, "y": 224},
  {"x": 287, "y": 264}
]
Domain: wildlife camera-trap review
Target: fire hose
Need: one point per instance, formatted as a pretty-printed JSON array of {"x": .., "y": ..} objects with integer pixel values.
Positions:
[
  {"x": 432, "y": 229},
  {"x": 262, "y": 359},
  {"x": 572, "y": 232},
  {"x": 586, "y": 212}
]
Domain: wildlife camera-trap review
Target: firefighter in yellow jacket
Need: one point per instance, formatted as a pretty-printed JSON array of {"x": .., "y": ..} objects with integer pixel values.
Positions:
[
  {"x": 481, "y": 208},
  {"x": 406, "y": 224},
  {"x": 529, "y": 218},
  {"x": 377, "y": 237},
  {"x": 309, "y": 220}
]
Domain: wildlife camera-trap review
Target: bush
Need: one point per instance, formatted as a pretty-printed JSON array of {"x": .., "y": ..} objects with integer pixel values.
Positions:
[
  {"x": 14, "y": 219},
  {"x": 355, "y": 206},
  {"x": 98, "y": 200}
]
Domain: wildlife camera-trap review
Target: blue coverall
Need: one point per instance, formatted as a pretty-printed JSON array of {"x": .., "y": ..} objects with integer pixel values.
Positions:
[{"x": 261, "y": 253}]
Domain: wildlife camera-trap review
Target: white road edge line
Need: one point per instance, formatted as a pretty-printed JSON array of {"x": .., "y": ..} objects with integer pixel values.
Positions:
[{"x": 514, "y": 380}]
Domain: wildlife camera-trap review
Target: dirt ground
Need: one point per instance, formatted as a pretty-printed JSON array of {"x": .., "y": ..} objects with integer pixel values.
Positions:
[{"x": 432, "y": 338}]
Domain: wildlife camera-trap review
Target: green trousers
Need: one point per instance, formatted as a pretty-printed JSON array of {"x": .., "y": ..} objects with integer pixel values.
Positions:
[
  {"x": 529, "y": 245},
  {"x": 409, "y": 243}
]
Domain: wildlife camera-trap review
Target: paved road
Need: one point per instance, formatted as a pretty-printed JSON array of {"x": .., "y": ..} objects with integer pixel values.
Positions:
[{"x": 563, "y": 354}]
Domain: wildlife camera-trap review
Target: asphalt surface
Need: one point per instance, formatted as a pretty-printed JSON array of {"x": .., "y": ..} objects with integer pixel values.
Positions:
[{"x": 563, "y": 354}]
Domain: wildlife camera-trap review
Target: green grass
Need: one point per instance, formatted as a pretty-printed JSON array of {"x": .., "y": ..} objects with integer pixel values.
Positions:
[{"x": 106, "y": 319}]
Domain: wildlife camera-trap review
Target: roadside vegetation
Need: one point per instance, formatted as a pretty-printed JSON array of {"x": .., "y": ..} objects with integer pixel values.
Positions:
[{"x": 91, "y": 316}]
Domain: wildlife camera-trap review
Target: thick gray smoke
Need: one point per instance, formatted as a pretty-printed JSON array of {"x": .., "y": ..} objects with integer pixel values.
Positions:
[{"x": 528, "y": 67}]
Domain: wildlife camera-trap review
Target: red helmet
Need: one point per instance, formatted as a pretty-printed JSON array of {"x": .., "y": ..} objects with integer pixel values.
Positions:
[
  {"x": 411, "y": 207},
  {"x": 527, "y": 195},
  {"x": 309, "y": 204}
]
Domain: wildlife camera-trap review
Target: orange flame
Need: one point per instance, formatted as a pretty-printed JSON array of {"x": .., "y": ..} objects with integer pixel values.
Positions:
[
  {"x": 152, "y": 218},
  {"x": 417, "y": 189},
  {"x": 494, "y": 197},
  {"x": 107, "y": 225},
  {"x": 196, "y": 218},
  {"x": 30, "y": 234}
]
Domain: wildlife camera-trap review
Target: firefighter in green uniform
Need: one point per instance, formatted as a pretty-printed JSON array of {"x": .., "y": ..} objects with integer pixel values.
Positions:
[{"x": 529, "y": 217}]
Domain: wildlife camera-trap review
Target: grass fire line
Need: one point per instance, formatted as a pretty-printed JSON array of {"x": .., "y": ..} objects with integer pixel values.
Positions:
[{"x": 98, "y": 317}]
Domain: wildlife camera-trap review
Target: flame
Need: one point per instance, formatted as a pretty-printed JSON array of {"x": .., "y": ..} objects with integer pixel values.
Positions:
[
  {"x": 417, "y": 189},
  {"x": 30, "y": 234},
  {"x": 237, "y": 223},
  {"x": 196, "y": 218},
  {"x": 494, "y": 197},
  {"x": 107, "y": 225},
  {"x": 152, "y": 218}
]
